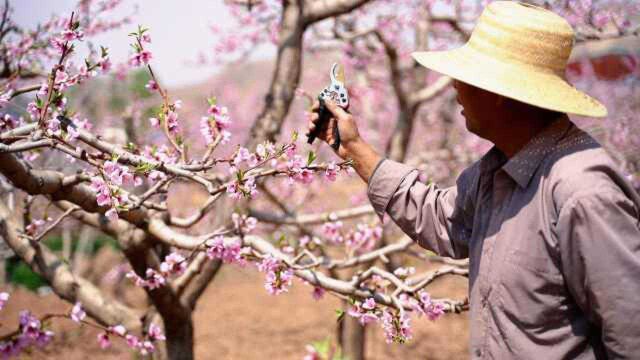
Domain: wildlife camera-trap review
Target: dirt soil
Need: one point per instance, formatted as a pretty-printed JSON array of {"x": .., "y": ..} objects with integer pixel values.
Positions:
[{"x": 237, "y": 319}]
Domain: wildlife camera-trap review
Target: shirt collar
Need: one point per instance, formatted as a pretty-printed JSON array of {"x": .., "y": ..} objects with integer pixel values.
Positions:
[{"x": 525, "y": 162}]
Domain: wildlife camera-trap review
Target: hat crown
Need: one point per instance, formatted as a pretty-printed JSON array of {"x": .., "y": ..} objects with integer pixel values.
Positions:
[{"x": 528, "y": 35}]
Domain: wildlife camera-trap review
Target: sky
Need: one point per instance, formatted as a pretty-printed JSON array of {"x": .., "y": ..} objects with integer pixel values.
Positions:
[{"x": 179, "y": 30}]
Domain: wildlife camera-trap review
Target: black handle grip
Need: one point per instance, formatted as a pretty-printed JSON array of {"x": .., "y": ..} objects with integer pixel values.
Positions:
[{"x": 323, "y": 120}]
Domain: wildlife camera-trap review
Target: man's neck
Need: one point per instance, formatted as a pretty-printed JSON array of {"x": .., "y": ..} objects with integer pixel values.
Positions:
[{"x": 511, "y": 139}]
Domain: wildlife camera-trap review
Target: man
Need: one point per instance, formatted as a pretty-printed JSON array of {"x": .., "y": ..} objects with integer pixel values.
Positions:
[{"x": 550, "y": 226}]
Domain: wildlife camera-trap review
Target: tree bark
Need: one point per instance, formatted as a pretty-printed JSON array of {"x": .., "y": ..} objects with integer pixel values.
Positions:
[
  {"x": 352, "y": 337},
  {"x": 285, "y": 78}
]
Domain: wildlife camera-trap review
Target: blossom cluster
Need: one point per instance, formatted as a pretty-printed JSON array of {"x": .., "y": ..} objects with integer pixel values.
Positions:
[
  {"x": 279, "y": 276},
  {"x": 144, "y": 345},
  {"x": 364, "y": 237},
  {"x": 397, "y": 327},
  {"x": 174, "y": 264},
  {"x": 35, "y": 226},
  {"x": 216, "y": 122},
  {"x": 141, "y": 55},
  {"x": 230, "y": 252},
  {"x": 424, "y": 305},
  {"x": 31, "y": 332}
]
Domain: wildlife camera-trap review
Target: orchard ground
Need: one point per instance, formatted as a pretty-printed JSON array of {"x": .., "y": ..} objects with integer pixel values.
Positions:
[{"x": 237, "y": 319}]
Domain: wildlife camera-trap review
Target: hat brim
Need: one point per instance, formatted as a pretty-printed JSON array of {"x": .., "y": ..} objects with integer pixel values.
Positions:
[{"x": 520, "y": 82}]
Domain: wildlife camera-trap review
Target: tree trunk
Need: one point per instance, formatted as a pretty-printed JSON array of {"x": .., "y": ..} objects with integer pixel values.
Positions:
[
  {"x": 179, "y": 341},
  {"x": 351, "y": 337},
  {"x": 285, "y": 77}
]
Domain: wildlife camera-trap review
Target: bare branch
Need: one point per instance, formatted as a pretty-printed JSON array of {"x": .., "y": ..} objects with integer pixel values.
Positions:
[
  {"x": 312, "y": 219},
  {"x": 430, "y": 91},
  {"x": 63, "y": 282},
  {"x": 317, "y": 10}
]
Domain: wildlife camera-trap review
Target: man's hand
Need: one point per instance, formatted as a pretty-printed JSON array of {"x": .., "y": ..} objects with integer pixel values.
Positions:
[
  {"x": 352, "y": 146},
  {"x": 343, "y": 120}
]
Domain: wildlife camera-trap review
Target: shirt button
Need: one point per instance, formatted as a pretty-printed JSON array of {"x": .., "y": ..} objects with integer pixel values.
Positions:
[{"x": 478, "y": 352}]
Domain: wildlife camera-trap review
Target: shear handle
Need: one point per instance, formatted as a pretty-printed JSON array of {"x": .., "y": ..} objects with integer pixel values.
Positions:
[{"x": 323, "y": 121}]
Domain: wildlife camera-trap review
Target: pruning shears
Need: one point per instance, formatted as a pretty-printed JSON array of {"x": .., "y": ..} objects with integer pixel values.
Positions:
[{"x": 337, "y": 92}]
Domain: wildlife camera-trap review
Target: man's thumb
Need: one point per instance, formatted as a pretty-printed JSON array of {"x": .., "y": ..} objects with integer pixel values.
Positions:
[{"x": 336, "y": 110}]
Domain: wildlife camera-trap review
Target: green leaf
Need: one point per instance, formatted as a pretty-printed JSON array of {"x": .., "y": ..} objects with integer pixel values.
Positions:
[
  {"x": 294, "y": 136},
  {"x": 322, "y": 347},
  {"x": 311, "y": 157},
  {"x": 212, "y": 101},
  {"x": 340, "y": 315},
  {"x": 144, "y": 168}
]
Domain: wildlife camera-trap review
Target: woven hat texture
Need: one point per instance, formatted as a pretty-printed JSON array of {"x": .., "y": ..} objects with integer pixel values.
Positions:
[{"x": 519, "y": 51}]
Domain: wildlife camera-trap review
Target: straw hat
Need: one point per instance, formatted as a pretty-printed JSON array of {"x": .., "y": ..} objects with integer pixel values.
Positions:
[{"x": 519, "y": 51}]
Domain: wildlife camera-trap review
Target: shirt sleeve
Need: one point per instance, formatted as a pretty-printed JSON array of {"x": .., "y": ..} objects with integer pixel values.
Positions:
[
  {"x": 599, "y": 241},
  {"x": 431, "y": 216}
]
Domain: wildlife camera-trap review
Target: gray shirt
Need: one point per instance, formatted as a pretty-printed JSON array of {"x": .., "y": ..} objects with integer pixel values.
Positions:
[{"x": 553, "y": 240}]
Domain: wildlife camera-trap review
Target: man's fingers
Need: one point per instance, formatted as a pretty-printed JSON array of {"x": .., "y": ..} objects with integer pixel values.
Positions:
[
  {"x": 329, "y": 134},
  {"x": 336, "y": 110},
  {"x": 315, "y": 106}
]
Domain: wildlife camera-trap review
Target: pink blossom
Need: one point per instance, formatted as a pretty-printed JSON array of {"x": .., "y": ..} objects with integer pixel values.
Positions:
[
  {"x": 242, "y": 154},
  {"x": 154, "y": 122},
  {"x": 105, "y": 64},
  {"x": 244, "y": 223},
  {"x": 154, "y": 279},
  {"x": 71, "y": 35},
  {"x": 231, "y": 252},
  {"x": 364, "y": 312},
  {"x": 404, "y": 272},
  {"x": 146, "y": 38},
  {"x": 173, "y": 263},
  {"x": 155, "y": 333},
  {"x": 132, "y": 341},
  {"x": 396, "y": 328},
  {"x": 53, "y": 126},
  {"x": 278, "y": 282},
  {"x": 103, "y": 340},
  {"x": 215, "y": 247},
  {"x": 5, "y": 98},
  {"x": 118, "y": 330},
  {"x": 332, "y": 231},
  {"x": 172, "y": 122},
  {"x": 7, "y": 122},
  {"x": 234, "y": 191},
  {"x": 331, "y": 172},
  {"x": 33, "y": 227},
  {"x": 103, "y": 193},
  {"x": 291, "y": 150},
  {"x": 369, "y": 304},
  {"x": 145, "y": 56},
  {"x": 206, "y": 130},
  {"x": 152, "y": 85},
  {"x": 247, "y": 188},
  {"x": 269, "y": 263},
  {"x": 4, "y": 297},
  {"x": 118, "y": 174},
  {"x": 318, "y": 292},
  {"x": 111, "y": 214},
  {"x": 77, "y": 313},
  {"x": 33, "y": 110},
  {"x": 146, "y": 347},
  {"x": 311, "y": 354}
]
